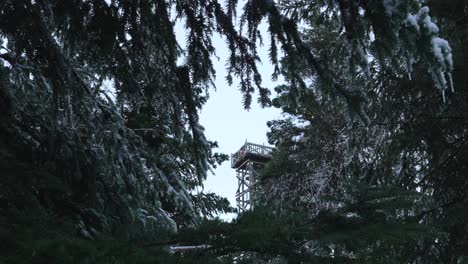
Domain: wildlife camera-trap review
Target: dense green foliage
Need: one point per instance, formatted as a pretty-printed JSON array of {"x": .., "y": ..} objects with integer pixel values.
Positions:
[
  {"x": 102, "y": 157},
  {"x": 99, "y": 125}
]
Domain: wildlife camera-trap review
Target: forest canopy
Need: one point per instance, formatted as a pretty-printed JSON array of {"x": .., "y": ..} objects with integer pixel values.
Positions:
[{"x": 103, "y": 158}]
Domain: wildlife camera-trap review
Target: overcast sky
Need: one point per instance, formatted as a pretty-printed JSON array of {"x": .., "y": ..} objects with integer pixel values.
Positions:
[{"x": 225, "y": 119}]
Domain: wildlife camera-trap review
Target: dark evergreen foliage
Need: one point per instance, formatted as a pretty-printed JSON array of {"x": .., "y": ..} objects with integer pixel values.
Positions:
[
  {"x": 102, "y": 157},
  {"x": 122, "y": 161}
]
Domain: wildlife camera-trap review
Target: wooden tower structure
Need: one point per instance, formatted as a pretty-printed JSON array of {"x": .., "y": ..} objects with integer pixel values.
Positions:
[{"x": 247, "y": 162}]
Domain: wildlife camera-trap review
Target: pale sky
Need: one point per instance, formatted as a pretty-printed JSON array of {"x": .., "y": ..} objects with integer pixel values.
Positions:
[{"x": 225, "y": 119}]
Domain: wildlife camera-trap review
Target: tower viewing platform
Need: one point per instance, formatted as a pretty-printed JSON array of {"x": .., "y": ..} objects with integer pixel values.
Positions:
[
  {"x": 247, "y": 162},
  {"x": 250, "y": 151}
]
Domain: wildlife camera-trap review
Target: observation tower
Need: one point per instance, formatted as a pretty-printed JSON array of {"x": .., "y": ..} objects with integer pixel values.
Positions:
[{"x": 247, "y": 162}]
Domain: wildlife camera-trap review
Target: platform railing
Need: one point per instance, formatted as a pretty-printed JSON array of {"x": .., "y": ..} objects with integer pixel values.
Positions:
[{"x": 251, "y": 148}]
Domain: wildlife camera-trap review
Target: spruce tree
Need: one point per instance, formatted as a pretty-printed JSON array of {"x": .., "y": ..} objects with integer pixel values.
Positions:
[{"x": 100, "y": 135}]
